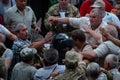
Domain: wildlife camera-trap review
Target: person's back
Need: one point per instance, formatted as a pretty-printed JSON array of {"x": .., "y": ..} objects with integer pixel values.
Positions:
[
  {"x": 74, "y": 70},
  {"x": 93, "y": 72},
  {"x": 110, "y": 64},
  {"x": 50, "y": 59},
  {"x": 116, "y": 74},
  {"x": 24, "y": 70}
]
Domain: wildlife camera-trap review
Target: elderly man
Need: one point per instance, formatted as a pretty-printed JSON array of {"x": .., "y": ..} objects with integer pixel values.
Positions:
[
  {"x": 62, "y": 9},
  {"x": 94, "y": 73},
  {"x": 20, "y": 13},
  {"x": 24, "y": 70},
  {"x": 22, "y": 42},
  {"x": 104, "y": 48},
  {"x": 94, "y": 22},
  {"x": 110, "y": 64},
  {"x": 107, "y": 17}
]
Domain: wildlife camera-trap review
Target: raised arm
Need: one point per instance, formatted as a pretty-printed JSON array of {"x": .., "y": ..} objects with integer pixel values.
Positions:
[
  {"x": 110, "y": 37},
  {"x": 54, "y": 20},
  {"x": 40, "y": 43},
  {"x": 95, "y": 35}
]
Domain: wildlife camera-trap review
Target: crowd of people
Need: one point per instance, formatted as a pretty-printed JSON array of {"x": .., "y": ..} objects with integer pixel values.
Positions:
[{"x": 59, "y": 40}]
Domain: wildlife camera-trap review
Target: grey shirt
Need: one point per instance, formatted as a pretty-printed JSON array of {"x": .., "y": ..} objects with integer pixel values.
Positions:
[
  {"x": 23, "y": 71},
  {"x": 116, "y": 74},
  {"x": 13, "y": 16},
  {"x": 106, "y": 48}
]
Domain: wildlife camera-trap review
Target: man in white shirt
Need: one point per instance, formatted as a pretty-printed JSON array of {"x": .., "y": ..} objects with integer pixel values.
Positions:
[{"x": 94, "y": 22}]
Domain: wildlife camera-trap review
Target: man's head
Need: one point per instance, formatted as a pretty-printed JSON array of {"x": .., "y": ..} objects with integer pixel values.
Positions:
[
  {"x": 96, "y": 16},
  {"x": 63, "y": 4},
  {"x": 21, "y": 31},
  {"x": 93, "y": 71},
  {"x": 71, "y": 59},
  {"x": 78, "y": 37},
  {"x": 117, "y": 9},
  {"x": 27, "y": 54},
  {"x": 51, "y": 57},
  {"x": 21, "y": 4},
  {"x": 110, "y": 62}
]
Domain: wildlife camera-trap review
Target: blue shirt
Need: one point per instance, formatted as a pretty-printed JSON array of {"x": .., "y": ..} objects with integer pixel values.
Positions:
[
  {"x": 18, "y": 45},
  {"x": 45, "y": 72}
]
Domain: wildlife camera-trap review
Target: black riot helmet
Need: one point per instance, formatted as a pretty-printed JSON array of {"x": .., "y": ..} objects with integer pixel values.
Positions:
[{"x": 61, "y": 41}]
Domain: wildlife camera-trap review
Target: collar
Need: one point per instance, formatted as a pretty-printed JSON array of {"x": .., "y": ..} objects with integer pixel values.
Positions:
[
  {"x": 15, "y": 9},
  {"x": 50, "y": 67}
]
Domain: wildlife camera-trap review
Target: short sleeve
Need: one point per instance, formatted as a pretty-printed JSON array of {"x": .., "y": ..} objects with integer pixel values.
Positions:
[
  {"x": 4, "y": 30},
  {"x": 101, "y": 50},
  {"x": 74, "y": 22}
]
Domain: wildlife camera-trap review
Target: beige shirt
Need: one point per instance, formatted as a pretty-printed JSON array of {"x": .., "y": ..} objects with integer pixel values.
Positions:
[{"x": 13, "y": 16}]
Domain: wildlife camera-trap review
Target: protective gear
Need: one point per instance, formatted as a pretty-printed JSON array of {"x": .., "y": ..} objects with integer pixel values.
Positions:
[{"x": 61, "y": 41}]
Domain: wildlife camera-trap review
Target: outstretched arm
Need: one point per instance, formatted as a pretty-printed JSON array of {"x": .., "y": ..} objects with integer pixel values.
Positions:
[
  {"x": 40, "y": 43},
  {"x": 110, "y": 37},
  {"x": 54, "y": 20}
]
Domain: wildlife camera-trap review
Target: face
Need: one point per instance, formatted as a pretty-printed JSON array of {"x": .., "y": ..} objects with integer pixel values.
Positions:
[
  {"x": 77, "y": 43},
  {"x": 21, "y": 4},
  {"x": 117, "y": 9},
  {"x": 23, "y": 33},
  {"x": 63, "y": 3},
  {"x": 106, "y": 65},
  {"x": 95, "y": 19}
]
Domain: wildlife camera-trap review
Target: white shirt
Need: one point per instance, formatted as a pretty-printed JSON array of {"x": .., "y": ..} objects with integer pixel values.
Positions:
[
  {"x": 109, "y": 17},
  {"x": 106, "y": 48},
  {"x": 84, "y": 21},
  {"x": 4, "y": 30},
  {"x": 79, "y": 22}
]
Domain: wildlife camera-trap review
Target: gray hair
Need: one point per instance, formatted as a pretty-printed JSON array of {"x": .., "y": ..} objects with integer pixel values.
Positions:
[
  {"x": 112, "y": 60},
  {"x": 98, "y": 11},
  {"x": 112, "y": 30},
  {"x": 3, "y": 37},
  {"x": 93, "y": 70},
  {"x": 19, "y": 25}
]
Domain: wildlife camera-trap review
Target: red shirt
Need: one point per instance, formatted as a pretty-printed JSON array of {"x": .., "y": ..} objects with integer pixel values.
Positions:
[{"x": 86, "y": 7}]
